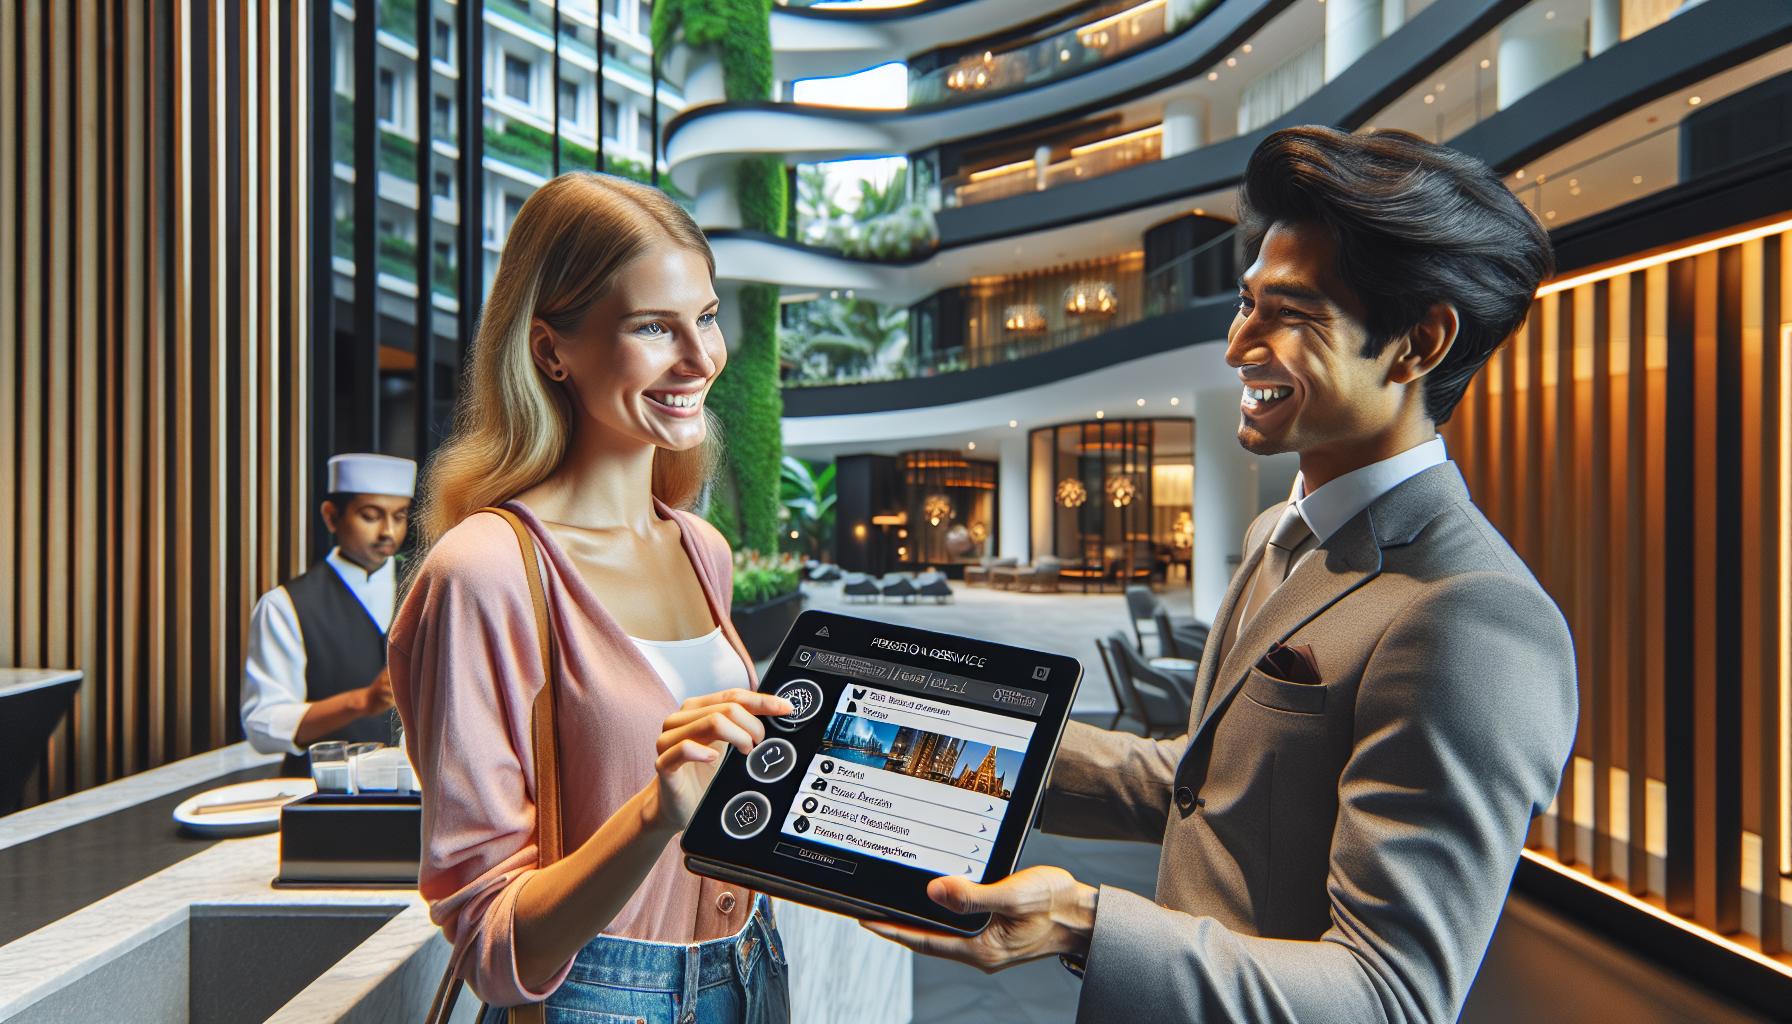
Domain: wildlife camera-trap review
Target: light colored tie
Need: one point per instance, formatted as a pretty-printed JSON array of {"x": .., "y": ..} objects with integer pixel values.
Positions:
[{"x": 1290, "y": 533}]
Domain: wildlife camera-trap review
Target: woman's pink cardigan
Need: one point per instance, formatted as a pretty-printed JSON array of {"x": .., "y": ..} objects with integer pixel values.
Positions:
[{"x": 466, "y": 667}]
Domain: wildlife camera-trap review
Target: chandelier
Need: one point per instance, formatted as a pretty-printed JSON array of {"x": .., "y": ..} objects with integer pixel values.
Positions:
[
  {"x": 937, "y": 507},
  {"x": 1024, "y": 319},
  {"x": 979, "y": 533},
  {"x": 1182, "y": 533},
  {"x": 1120, "y": 488},
  {"x": 1091, "y": 297},
  {"x": 1071, "y": 492}
]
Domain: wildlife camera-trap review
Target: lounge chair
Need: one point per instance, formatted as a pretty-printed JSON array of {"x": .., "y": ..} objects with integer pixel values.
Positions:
[
  {"x": 858, "y": 585},
  {"x": 933, "y": 584},
  {"x": 1155, "y": 701},
  {"x": 825, "y": 572},
  {"x": 1143, "y": 606},
  {"x": 978, "y": 575},
  {"x": 1040, "y": 577},
  {"x": 1148, "y": 679},
  {"x": 898, "y": 586},
  {"x": 1186, "y": 640}
]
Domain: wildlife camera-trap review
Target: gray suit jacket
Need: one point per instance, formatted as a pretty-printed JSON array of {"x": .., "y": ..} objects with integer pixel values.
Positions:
[{"x": 1337, "y": 853}]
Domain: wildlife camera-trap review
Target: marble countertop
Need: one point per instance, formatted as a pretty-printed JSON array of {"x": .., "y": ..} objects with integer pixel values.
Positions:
[{"x": 839, "y": 971}]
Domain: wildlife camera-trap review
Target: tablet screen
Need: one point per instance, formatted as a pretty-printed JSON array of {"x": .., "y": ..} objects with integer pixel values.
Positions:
[{"x": 910, "y": 754}]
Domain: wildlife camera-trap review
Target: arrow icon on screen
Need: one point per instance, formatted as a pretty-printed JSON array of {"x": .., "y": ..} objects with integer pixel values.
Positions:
[
  {"x": 983, "y": 828},
  {"x": 976, "y": 849}
]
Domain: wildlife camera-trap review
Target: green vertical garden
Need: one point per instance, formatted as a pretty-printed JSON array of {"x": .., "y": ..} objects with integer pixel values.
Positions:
[{"x": 746, "y": 397}]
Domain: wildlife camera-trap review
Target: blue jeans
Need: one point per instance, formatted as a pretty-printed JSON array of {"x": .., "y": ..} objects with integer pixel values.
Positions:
[{"x": 737, "y": 980}]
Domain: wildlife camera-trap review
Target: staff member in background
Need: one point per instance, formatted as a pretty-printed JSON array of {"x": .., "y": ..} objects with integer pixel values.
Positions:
[{"x": 316, "y": 668}]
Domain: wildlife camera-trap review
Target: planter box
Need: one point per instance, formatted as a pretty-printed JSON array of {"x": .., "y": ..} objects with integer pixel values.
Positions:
[{"x": 762, "y": 626}]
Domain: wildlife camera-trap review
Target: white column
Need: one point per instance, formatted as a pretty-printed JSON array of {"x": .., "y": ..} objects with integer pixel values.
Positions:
[
  {"x": 1013, "y": 500},
  {"x": 1184, "y": 125},
  {"x": 1393, "y": 15},
  {"x": 703, "y": 83},
  {"x": 1225, "y": 497},
  {"x": 1608, "y": 23},
  {"x": 1352, "y": 28},
  {"x": 716, "y": 205},
  {"x": 1535, "y": 48},
  {"x": 1042, "y": 162}
]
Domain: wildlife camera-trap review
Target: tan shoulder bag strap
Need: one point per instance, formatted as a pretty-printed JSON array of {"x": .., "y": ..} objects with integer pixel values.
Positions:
[{"x": 544, "y": 741}]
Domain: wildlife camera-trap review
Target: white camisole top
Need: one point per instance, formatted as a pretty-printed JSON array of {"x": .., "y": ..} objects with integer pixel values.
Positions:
[{"x": 691, "y": 668}]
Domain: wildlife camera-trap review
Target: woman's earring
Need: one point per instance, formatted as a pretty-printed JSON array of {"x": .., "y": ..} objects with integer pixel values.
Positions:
[{"x": 559, "y": 374}]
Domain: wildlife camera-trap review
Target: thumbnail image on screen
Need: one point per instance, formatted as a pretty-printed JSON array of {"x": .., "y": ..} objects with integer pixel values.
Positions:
[{"x": 911, "y": 780}]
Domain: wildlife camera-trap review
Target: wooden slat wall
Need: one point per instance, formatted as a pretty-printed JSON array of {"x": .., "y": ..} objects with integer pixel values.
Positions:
[
  {"x": 152, "y": 371},
  {"x": 1630, "y": 440}
]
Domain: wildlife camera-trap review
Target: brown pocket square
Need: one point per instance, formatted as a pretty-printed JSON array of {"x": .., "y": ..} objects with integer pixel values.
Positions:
[{"x": 1291, "y": 665}]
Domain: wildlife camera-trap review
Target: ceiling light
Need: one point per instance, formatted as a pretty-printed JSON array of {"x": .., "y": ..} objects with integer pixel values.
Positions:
[
  {"x": 972, "y": 446},
  {"x": 1487, "y": 63},
  {"x": 1175, "y": 401},
  {"x": 1013, "y": 423},
  {"x": 1200, "y": 212},
  {"x": 1520, "y": 173},
  {"x": 1551, "y": 16},
  {"x": 1430, "y": 98},
  {"x": 793, "y": 535},
  {"x": 1099, "y": 414},
  {"x": 1231, "y": 62},
  {"x": 1441, "y": 86},
  {"x": 1246, "y": 47},
  {"x": 1141, "y": 401},
  {"x": 1551, "y": 215},
  {"x": 1636, "y": 179},
  {"x": 1214, "y": 76},
  {"x": 1694, "y": 100}
]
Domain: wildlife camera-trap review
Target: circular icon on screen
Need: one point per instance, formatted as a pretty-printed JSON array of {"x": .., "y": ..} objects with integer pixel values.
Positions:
[
  {"x": 827, "y": 767},
  {"x": 803, "y": 657},
  {"x": 810, "y": 804},
  {"x": 771, "y": 760},
  {"x": 801, "y": 825},
  {"x": 805, "y": 699},
  {"x": 745, "y": 816}
]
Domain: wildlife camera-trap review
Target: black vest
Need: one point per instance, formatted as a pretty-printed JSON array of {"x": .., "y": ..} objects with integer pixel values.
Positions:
[{"x": 344, "y": 650}]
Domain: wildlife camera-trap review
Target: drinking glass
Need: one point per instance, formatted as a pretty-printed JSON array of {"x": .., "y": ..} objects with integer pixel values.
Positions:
[
  {"x": 329, "y": 766},
  {"x": 356, "y": 751}
]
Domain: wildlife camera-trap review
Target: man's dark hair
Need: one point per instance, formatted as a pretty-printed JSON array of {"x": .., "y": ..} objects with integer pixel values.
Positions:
[
  {"x": 342, "y": 500},
  {"x": 1415, "y": 224}
]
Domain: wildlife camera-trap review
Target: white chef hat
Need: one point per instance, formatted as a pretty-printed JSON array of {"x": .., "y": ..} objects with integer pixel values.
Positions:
[{"x": 372, "y": 474}]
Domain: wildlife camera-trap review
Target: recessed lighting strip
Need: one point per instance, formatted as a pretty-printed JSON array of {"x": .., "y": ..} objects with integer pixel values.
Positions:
[
  {"x": 1667, "y": 257},
  {"x": 1681, "y": 923}
]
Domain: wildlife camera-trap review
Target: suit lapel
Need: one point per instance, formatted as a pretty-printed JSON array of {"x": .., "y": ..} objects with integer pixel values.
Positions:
[{"x": 1347, "y": 560}]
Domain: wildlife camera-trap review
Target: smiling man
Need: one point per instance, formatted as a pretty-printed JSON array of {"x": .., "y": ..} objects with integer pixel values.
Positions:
[{"x": 1388, "y": 696}]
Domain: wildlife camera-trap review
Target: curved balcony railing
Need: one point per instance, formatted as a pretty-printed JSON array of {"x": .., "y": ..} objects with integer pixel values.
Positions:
[
  {"x": 841, "y": 339},
  {"x": 1092, "y": 38}
]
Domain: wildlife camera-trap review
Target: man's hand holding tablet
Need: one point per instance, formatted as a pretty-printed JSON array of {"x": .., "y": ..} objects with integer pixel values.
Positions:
[{"x": 909, "y": 758}]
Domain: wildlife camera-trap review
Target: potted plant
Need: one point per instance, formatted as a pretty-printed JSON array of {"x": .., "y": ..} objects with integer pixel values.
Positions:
[{"x": 767, "y": 600}]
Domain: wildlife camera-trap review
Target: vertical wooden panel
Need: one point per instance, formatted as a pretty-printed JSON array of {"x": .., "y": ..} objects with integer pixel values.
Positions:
[
  {"x": 1563, "y": 577},
  {"x": 1596, "y": 563},
  {"x": 31, "y": 330},
  {"x": 1636, "y": 581},
  {"x": 86, "y": 307},
  {"x": 1680, "y": 621},
  {"x": 1721, "y": 708},
  {"x": 11, "y": 249}
]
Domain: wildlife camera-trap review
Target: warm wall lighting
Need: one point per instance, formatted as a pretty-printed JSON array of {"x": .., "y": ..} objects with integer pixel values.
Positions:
[
  {"x": 1121, "y": 490},
  {"x": 1024, "y": 319},
  {"x": 858, "y": 531},
  {"x": 1785, "y": 672},
  {"x": 1667, "y": 257},
  {"x": 1118, "y": 140},
  {"x": 996, "y": 172}
]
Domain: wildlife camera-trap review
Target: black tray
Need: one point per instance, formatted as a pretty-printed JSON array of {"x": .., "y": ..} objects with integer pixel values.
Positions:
[{"x": 331, "y": 841}]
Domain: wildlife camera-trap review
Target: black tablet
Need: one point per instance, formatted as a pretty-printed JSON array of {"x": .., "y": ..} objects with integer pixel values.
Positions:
[{"x": 910, "y": 754}]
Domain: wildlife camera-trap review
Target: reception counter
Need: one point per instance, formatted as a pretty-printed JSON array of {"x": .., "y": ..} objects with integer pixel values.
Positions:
[{"x": 113, "y": 914}]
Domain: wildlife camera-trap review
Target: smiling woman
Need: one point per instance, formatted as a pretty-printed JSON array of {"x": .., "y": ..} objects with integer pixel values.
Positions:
[{"x": 593, "y": 609}]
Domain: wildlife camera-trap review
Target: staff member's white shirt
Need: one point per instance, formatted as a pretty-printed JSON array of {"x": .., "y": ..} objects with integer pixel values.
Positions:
[{"x": 274, "y": 672}]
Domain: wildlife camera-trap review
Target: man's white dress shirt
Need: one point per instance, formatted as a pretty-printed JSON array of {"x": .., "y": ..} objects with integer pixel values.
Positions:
[
  {"x": 1336, "y": 503},
  {"x": 274, "y": 672}
]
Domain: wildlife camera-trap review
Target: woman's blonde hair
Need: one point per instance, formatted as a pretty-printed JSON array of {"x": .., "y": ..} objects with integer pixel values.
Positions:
[{"x": 511, "y": 429}]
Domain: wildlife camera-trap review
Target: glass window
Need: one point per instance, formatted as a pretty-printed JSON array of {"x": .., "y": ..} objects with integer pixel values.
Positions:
[
  {"x": 516, "y": 77},
  {"x": 643, "y": 132},
  {"x": 444, "y": 42},
  {"x": 442, "y": 124},
  {"x": 569, "y": 101},
  {"x": 645, "y": 14},
  {"x": 444, "y": 185},
  {"x": 386, "y": 99},
  {"x": 612, "y": 118}
]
